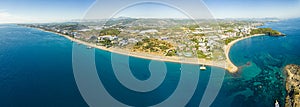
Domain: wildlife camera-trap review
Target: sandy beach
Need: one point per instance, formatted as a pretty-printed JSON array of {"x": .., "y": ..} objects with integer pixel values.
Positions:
[
  {"x": 230, "y": 66},
  {"x": 226, "y": 64}
]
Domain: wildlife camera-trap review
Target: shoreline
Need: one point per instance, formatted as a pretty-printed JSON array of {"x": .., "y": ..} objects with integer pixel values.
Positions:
[
  {"x": 225, "y": 64},
  {"x": 233, "y": 68}
]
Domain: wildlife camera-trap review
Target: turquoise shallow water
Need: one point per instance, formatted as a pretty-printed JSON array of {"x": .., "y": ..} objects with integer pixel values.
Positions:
[
  {"x": 261, "y": 60},
  {"x": 36, "y": 70}
]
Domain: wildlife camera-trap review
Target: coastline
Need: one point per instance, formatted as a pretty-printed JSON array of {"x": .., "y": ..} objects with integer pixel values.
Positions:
[
  {"x": 225, "y": 64},
  {"x": 231, "y": 67},
  {"x": 292, "y": 85}
]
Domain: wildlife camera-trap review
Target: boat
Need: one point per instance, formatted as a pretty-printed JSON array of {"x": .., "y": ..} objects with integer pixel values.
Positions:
[
  {"x": 89, "y": 47},
  {"x": 276, "y": 104},
  {"x": 202, "y": 67}
]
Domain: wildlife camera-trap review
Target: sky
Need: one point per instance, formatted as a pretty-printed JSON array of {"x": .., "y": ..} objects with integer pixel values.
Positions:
[
  {"x": 151, "y": 11},
  {"x": 42, "y": 10},
  {"x": 22, "y": 11},
  {"x": 254, "y": 8}
]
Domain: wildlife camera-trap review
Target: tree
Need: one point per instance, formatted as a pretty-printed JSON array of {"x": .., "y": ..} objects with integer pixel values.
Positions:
[
  {"x": 268, "y": 31},
  {"x": 195, "y": 40},
  {"x": 200, "y": 54},
  {"x": 171, "y": 53},
  {"x": 110, "y": 32},
  {"x": 193, "y": 27}
]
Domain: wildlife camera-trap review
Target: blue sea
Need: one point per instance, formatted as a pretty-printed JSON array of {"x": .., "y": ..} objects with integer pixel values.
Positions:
[{"x": 36, "y": 70}]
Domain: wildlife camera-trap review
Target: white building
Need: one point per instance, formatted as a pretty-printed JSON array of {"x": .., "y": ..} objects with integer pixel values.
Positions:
[
  {"x": 149, "y": 31},
  {"x": 132, "y": 40},
  {"x": 109, "y": 37}
]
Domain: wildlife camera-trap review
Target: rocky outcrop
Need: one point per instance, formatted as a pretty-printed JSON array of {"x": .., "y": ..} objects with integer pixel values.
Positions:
[{"x": 292, "y": 85}]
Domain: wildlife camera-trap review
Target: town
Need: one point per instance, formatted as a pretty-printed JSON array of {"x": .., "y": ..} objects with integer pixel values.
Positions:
[{"x": 165, "y": 37}]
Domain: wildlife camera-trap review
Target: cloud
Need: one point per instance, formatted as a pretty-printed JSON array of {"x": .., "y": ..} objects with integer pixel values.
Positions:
[
  {"x": 4, "y": 14},
  {"x": 6, "y": 17}
]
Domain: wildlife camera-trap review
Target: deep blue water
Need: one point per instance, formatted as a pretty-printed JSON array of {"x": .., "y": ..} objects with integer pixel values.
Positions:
[{"x": 36, "y": 70}]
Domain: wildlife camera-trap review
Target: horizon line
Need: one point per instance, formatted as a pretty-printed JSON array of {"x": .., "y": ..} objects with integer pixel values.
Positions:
[{"x": 83, "y": 20}]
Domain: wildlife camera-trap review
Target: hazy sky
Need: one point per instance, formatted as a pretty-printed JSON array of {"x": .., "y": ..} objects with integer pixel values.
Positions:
[
  {"x": 254, "y": 8},
  {"x": 62, "y": 10}
]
